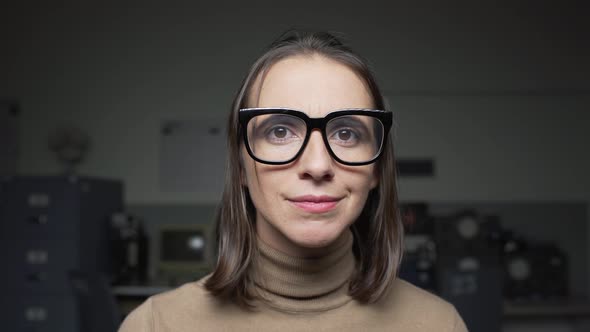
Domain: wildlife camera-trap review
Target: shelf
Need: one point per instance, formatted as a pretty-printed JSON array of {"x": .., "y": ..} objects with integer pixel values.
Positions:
[
  {"x": 555, "y": 308},
  {"x": 138, "y": 291}
]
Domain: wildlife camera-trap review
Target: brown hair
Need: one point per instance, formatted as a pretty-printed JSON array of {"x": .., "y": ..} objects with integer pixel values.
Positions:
[{"x": 378, "y": 232}]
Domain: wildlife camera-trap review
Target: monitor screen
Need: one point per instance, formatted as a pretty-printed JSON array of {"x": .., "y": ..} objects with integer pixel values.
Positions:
[
  {"x": 184, "y": 253},
  {"x": 186, "y": 245}
]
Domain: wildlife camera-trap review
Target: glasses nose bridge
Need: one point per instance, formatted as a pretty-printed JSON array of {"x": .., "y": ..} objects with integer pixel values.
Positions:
[{"x": 316, "y": 124}]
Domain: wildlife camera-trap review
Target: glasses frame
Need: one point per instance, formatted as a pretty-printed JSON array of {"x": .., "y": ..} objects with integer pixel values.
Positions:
[{"x": 246, "y": 114}]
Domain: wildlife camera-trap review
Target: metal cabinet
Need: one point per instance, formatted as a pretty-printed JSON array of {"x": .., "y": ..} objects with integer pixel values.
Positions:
[
  {"x": 50, "y": 229},
  {"x": 40, "y": 313}
]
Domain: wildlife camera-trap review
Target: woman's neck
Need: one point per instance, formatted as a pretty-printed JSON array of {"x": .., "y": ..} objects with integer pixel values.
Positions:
[{"x": 305, "y": 284}]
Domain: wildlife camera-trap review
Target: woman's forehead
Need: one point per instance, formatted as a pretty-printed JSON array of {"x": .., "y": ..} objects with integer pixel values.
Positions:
[{"x": 313, "y": 84}]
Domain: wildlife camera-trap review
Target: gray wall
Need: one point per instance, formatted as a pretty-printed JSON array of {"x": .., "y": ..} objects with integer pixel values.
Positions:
[{"x": 494, "y": 92}]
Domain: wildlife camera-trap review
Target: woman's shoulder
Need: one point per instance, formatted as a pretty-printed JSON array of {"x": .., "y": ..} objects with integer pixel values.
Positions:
[
  {"x": 172, "y": 306},
  {"x": 191, "y": 293},
  {"x": 421, "y": 307},
  {"x": 406, "y": 292}
]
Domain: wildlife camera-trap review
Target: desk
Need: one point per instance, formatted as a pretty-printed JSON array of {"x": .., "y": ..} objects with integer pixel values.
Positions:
[
  {"x": 570, "y": 308},
  {"x": 138, "y": 291},
  {"x": 557, "y": 315}
]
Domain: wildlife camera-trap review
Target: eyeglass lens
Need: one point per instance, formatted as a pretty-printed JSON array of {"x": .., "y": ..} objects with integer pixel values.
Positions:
[{"x": 279, "y": 137}]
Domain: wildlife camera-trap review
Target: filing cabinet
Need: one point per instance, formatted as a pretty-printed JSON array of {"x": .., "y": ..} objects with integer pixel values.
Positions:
[
  {"x": 40, "y": 313},
  {"x": 39, "y": 268},
  {"x": 51, "y": 228}
]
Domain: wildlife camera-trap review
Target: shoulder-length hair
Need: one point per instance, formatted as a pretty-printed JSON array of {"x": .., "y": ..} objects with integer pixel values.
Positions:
[{"x": 378, "y": 232}]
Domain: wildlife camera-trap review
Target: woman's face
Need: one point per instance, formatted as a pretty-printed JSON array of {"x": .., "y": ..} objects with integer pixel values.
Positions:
[{"x": 289, "y": 217}]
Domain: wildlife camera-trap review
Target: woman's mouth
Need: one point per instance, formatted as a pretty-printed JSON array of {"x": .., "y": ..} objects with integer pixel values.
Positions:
[{"x": 315, "y": 204}]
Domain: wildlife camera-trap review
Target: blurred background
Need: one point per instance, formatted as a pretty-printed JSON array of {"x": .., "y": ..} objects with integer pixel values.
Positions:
[{"x": 112, "y": 120}]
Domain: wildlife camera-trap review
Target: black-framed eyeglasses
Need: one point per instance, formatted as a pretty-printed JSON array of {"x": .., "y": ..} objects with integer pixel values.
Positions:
[{"x": 278, "y": 136}]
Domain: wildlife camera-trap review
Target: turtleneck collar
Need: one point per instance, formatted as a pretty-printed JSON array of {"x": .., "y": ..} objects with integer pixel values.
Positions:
[{"x": 295, "y": 284}]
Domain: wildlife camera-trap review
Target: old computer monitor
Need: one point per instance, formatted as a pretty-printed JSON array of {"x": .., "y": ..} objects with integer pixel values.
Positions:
[{"x": 184, "y": 253}]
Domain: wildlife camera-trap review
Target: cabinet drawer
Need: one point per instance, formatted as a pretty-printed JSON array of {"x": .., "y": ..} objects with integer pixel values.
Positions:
[
  {"x": 39, "y": 313},
  {"x": 39, "y": 209},
  {"x": 38, "y": 269}
]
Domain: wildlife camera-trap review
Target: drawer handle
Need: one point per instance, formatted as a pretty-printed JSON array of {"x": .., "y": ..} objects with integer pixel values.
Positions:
[
  {"x": 39, "y": 200},
  {"x": 36, "y": 314},
  {"x": 37, "y": 256}
]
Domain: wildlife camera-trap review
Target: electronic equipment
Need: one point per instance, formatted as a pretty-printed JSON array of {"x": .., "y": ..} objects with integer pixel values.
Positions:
[
  {"x": 419, "y": 260},
  {"x": 185, "y": 252},
  {"x": 468, "y": 233},
  {"x": 475, "y": 290},
  {"x": 468, "y": 268},
  {"x": 416, "y": 218},
  {"x": 129, "y": 250},
  {"x": 535, "y": 272},
  {"x": 98, "y": 310}
]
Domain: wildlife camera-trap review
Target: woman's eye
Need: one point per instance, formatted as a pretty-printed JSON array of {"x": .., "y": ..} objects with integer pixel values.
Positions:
[
  {"x": 280, "y": 132},
  {"x": 345, "y": 136}
]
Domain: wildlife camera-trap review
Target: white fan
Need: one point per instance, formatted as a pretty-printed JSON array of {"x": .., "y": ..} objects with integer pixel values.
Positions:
[{"x": 71, "y": 145}]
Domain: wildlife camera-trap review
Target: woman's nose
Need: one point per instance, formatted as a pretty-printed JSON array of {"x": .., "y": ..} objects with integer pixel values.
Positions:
[{"x": 315, "y": 161}]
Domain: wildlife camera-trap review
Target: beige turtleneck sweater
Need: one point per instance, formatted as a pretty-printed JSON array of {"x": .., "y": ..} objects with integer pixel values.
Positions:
[{"x": 298, "y": 294}]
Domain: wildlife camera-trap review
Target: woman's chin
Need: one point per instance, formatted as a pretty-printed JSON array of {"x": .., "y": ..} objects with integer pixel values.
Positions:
[
  {"x": 313, "y": 238},
  {"x": 301, "y": 238}
]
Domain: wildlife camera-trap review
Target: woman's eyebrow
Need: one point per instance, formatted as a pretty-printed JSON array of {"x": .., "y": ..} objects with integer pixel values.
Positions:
[{"x": 355, "y": 123}]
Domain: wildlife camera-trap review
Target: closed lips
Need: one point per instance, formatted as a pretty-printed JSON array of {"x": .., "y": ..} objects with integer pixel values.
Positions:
[
  {"x": 315, "y": 204},
  {"x": 314, "y": 199}
]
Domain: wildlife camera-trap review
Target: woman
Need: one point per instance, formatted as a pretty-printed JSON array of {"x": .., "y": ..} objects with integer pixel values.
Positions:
[{"x": 309, "y": 234}]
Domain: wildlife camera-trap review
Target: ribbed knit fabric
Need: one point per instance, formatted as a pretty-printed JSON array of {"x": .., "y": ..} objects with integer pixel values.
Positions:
[
  {"x": 297, "y": 295},
  {"x": 295, "y": 284}
]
